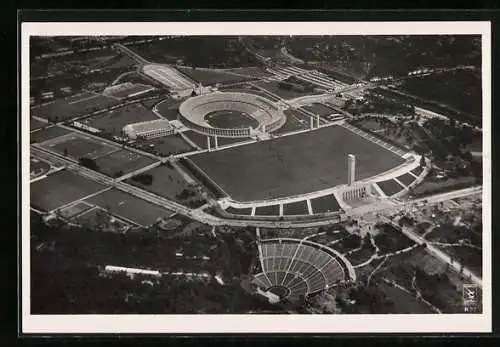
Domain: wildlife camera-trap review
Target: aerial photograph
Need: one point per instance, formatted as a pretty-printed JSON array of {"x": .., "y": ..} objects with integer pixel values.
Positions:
[{"x": 256, "y": 174}]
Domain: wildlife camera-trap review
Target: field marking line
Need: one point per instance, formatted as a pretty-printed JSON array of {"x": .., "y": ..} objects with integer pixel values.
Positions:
[
  {"x": 80, "y": 199},
  {"x": 93, "y": 96}
]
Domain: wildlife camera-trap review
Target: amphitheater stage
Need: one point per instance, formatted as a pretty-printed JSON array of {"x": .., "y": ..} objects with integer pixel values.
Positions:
[{"x": 295, "y": 164}]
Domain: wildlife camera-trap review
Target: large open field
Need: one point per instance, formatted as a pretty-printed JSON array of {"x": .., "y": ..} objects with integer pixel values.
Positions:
[
  {"x": 293, "y": 165},
  {"x": 129, "y": 207},
  {"x": 36, "y": 124},
  {"x": 60, "y": 189},
  {"x": 47, "y": 134},
  {"x": 72, "y": 107},
  {"x": 124, "y": 161},
  {"x": 167, "y": 182},
  {"x": 165, "y": 146},
  {"x": 113, "y": 121},
  {"x": 76, "y": 146},
  {"x": 168, "y": 108}
]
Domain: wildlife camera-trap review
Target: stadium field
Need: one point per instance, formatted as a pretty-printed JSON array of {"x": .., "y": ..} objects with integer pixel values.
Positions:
[
  {"x": 167, "y": 145},
  {"x": 113, "y": 121},
  {"x": 271, "y": 210},
  {"x": 295, "y": 208},
  {"x": 36, "y": 124},
  {"x": 230, "y": 119},
  {"x": 292, "y": 165},
  {"x": 124, "y": 161},
  {"x": 59, "y": 189},
  {"x": 326, "y": 203},
  {"x": 168, "y": 108},
  {"x": 77, "y": 146},
  {"x": 73, "y": 107},
  {"x": 286, "y": 94},
  {"x": 47, "y": 134},
  {"x": 208, "y": 77},
  {"x": 167, "y": 182},
  {"x": 390, "y": 187},
  {"x": 130, "y": 207}
]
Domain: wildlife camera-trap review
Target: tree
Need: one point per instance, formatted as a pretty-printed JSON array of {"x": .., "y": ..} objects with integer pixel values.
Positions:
[
  {"x": 65, "y": 153},
  {"x": 88, "y": 163}
]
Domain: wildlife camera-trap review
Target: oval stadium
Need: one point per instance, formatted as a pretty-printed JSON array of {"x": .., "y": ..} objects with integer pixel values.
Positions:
[
  {"x": 293, "y": 269},
  {"x": 231, "y": 114}
]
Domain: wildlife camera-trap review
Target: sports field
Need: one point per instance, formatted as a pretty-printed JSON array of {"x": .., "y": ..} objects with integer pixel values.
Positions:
[
  {"x": 169, "y": 108},
  {"x": 113, "y": 121},
  {"x": 167, "y": 182},
  {"x": 74, "y": 106},
  {"x": 38, "y": 167},
  {"x": 230, "y": 119},
  {"x": 286, "y": 94},
  {"x": 36, "y": 124},
  {"x": 319, "y": 109},
  {"x": 59, "y": 189},
  {"x": 293, "y": 165},
  {"x": 130, "y": 207},
  {"x": 165, "y": 146},
  {"x": 47, "y": 134},
  {"x": 76, "y": 146},
  {"x": 124, "y": 161}
]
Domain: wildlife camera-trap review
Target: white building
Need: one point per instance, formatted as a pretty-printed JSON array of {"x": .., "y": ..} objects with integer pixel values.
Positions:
[{"x": 149, "y": 129}]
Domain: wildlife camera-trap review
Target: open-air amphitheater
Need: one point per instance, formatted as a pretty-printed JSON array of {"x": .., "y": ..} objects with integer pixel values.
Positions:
[
  {"x": 269, "y": 117},
  {"x": 293, "y": 268}
]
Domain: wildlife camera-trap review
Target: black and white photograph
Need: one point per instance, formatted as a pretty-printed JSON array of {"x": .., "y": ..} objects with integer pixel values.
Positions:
[{"x": 265, "y": 177}]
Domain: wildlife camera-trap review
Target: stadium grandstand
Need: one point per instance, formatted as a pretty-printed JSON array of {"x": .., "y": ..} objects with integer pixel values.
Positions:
[
  {"x": 292, "y": 269},
  {"x": 269, "y": 117},
  {"x": 168, "y": 76},
  {"x": 148, "y": 130}
]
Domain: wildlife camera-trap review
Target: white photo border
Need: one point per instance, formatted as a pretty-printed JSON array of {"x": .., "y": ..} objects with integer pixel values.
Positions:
[{"x": 258, "y": 323}]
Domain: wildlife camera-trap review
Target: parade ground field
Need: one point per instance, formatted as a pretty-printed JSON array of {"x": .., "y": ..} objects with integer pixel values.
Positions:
[{"x": 295, "y": 164}]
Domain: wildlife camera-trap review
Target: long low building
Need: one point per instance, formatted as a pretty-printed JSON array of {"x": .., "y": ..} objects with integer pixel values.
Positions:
[{"x": 148, "y": 130}]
